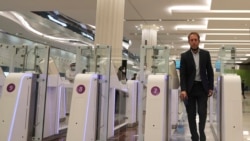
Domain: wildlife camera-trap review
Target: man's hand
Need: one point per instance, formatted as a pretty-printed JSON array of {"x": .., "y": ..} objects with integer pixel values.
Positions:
[
  {"x": 183, "y": 95},
  {"x": 210, "y": 93}
]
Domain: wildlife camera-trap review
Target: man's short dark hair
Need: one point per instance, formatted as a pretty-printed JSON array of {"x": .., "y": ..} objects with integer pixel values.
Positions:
[{"x": 194, "y": 33}]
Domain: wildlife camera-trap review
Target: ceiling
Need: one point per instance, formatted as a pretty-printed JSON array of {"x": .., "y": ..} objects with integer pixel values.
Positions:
[{"x": 219, "y": 22}]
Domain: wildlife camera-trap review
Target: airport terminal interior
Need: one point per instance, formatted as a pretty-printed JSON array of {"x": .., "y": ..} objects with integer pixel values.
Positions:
[{"x": 108, "y": 70}]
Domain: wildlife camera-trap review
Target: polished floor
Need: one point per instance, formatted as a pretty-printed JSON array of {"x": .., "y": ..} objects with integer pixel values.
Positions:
[{"x": 181, "y": 133}]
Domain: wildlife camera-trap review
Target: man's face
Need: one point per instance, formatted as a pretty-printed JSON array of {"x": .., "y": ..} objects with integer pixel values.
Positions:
[{"x": 194, "y": 42}]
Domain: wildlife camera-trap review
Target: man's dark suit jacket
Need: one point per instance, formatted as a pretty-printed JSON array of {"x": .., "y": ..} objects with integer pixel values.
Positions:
[{"x": 188, "y": 71}]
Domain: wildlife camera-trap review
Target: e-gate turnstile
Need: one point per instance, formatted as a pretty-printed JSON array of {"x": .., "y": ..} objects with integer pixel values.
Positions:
[
  {"x": 157, "y": 119},
  {"x": 82, "y": 121},
  {"x": 229, "y": 108},
  {"x": 85, "y": 89},
  {"x": 17, "y": 107},
  {"x": 228, "y": 122},
  {"x": 156, "y": 99}
]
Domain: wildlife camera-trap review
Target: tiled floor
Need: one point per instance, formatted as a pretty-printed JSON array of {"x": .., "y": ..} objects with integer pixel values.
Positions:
[{"x": 182, "y": 132}]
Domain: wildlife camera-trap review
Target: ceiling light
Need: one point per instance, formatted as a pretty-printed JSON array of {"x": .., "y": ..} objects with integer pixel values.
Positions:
[
  {"x": 185, "y": 46},
  {"x": 227, "y": 19},
  {"x": 92, "y": 26},
  {"x": 206, "y": 11},
  {"x": 247, "y": 34},
  {"x": 153, "y": 26},
  {"x": 229, "y": 11},
  {"x": 245, "y": 133},
  {"x": 202, "y": 38},
  {"x": 189, "y": 27},
  {"x": 242, "y": 48},
  {"x": 204, "y": 6},
  {"x": 247, "y": 54},
  {"x": 57, "y": 21},
  {"x": 201, "y": 46},
  {"x": 229, "y": 41},
  {"x": 184, "y": 8},
  {"x": 217, "y": 42},
  {"x": 243, "y": 59},
  {"x": 228, "y": 29},
  {"x": 238, "y": 62},
  {"x": 212, "y": 48},
  {"x": 87, "y": 36},
  {"x": 188, "y": 46}
]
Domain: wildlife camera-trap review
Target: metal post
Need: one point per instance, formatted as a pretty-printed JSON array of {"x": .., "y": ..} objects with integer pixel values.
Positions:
[
  {"x": 40, "y": 116},
  {"x": 168, "y": 110},
  {"x": 140, "y": 95},
  {"x": 219, "y": 108}
]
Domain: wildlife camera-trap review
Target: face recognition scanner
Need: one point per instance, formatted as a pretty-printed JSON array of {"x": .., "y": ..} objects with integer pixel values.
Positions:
[
  {"x": 17, "y": 107},
  {"x": 55, "y": 100}
]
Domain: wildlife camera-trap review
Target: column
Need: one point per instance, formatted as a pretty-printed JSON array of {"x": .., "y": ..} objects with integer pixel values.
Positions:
[
  {"x": 109, "y": 26},
  {"x": 149, "y": 37},
  {"x": 109, "y": 31}
]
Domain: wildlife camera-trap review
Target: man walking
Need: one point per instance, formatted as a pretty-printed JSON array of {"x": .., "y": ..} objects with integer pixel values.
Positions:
[{"x": 197, "y": 82}]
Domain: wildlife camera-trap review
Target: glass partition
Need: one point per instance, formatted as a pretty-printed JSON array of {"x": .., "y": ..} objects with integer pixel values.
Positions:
[
  {"x": 5, "y": 57},
  {"x": 226, "y": 58},
  {"x": 102, "y": 61},
  {"x": 160, "y": 60},
  {"x": 84, "y": 59},
  {"x": 62, "y": 60}
]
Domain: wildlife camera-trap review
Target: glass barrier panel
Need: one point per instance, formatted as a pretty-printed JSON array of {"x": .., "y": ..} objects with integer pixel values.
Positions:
[
  {"x": 102, "y": 61},
  {"x": 226, "y": 59}
]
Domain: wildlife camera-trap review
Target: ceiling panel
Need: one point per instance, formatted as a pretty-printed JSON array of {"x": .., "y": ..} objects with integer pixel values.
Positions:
[
  {"x": 230, "y": 5},
  {"x": 148, "y": 12}
]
